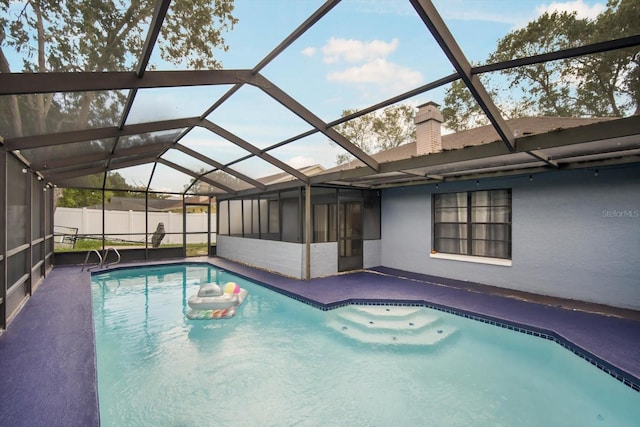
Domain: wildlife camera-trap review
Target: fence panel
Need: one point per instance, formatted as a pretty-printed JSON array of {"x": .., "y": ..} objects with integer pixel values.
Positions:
[{"x": 129, "y": 225}]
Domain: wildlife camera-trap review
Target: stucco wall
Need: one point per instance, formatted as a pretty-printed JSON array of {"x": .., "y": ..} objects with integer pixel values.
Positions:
[
  {"x": 372, "y": 256},
  {"x": 324, "y": 259},
  {"x": 283, "y": 257},
  {"x": 288, "y": 258},
  {"x": 576, "y": 234}
]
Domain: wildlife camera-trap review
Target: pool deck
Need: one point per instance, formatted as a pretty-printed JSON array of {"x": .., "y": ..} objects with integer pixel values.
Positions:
[{"x": 47, "y": 354}]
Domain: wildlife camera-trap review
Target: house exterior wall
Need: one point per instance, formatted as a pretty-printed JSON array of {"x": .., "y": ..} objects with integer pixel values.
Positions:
[
  {"x": 576, "y": 234},
  {"x": 282, "y": 257},
  {"x": 372, "y": 256},
  {"x": 289, "y": 258},
  {"x": 324, "y": 259}
]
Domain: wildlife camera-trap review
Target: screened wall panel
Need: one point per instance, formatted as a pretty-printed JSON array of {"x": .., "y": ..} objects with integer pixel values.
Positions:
[
  {"x": 52, "y": 157},
  {"x": 37, "y": 253},
  {"x": 165, "y": 224},
  {"x": 274, "y": 217},
  {"x": 223, "y": 218},
  {"x": 251, "y": 215},
  {"x": 17, "y": 213},
  {"x": 16, "y": 269},
  {"x": 290, "y": 215},
  {"x": 235, "y": 217},
  {"x": 270, "y": 217},
  {"x": 126, "y": 227},
  {"x": 37, "y": 211},
  {"x": 3, "y": 248}
]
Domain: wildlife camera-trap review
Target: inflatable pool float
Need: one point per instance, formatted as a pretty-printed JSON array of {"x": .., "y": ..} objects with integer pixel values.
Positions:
[{"x": 211, "y": 302}]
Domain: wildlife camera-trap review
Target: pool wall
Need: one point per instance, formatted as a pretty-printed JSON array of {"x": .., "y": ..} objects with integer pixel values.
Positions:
[{"x": 575, "y": 234}]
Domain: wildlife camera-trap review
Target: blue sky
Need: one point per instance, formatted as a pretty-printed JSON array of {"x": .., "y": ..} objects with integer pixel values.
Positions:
[{"x": 362, "y": 52}]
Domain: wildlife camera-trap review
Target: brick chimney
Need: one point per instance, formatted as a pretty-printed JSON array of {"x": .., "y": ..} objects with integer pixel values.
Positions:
[{"x": 428, "y": 137}]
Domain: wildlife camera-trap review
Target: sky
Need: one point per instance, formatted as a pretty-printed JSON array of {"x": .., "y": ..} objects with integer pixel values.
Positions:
[{"x": 361, "y": 53}]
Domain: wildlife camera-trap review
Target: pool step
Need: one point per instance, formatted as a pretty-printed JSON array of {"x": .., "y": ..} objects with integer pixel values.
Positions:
[
  {"x": 406, "y": 319},
  {"x": 394, "y": 325}
]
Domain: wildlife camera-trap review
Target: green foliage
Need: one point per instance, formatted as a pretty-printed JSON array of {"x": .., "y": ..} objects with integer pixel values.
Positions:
[
  {"x": 461, "y": 111},
  {"x": 606, "y": 84},
  {"x": 80, "y": 198},
  {"x": 378, "y": 131},
  {"x": 99, "y": 35},
  {"x": 115, "y": 184}
]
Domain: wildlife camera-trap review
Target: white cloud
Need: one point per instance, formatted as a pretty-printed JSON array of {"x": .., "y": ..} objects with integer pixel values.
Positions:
[
  {"x": 515, "y": 17},
  {"x": 380, "y": 72},
  {"x": 351, "y": 50},
  {"x": 480, "y": 15},
  {"x": 583, "y": 10},
  {"x": 309, "y": 51},
  {"x": 364, "y": 64}
]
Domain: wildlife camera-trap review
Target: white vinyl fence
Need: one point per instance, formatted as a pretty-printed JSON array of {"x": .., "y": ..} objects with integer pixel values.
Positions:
[{"x": 130, "y": 225}]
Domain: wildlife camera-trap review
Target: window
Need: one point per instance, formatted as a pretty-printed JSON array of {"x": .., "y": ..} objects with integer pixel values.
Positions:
[{"x": 474, "y": 223}]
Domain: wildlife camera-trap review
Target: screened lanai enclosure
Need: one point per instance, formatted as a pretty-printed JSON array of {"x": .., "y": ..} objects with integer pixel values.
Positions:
[{"x": 189, "y": 127}]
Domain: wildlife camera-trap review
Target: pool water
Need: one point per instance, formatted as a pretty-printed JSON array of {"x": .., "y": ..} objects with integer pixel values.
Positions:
[{"x": 280, "y": 362}]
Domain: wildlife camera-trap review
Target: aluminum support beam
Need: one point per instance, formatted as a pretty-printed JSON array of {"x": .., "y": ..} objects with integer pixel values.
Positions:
[
  {"x": 50, "y": 165},
  {"x": 37, "y": 141},
  {"x": 308, "y": 23},
  {"x": 390, "y": 101},
  {"x": 539, "y": 155},
  {"x": 442, "y": 35},
  {"x": 306, "y": 115},
  {"x": 159, "y": 13},
  {"x": 84, "y": 81},
  {"x": 4, "y": 183},
  {"x": 590, "y": 49},
  {"x": 253, "y": 150},
  {"x": 399, "y": 98},
  {"x": 220, "y": 166},
  {"x": 196, "y": 175},
  {"x": 307, "y": 232},
  {"x": 56, "y": 177}
]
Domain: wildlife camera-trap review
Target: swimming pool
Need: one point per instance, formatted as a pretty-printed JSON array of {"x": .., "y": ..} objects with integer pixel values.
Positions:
[{"x": 282, "y": 362}]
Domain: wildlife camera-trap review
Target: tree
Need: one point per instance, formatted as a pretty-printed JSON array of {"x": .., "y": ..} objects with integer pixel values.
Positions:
[
  {"x": 98, "y": 35},
  {"x": 606, "y": 84},
  {"x": 461, "y": 111},
  {"x": 80, "y": 198},
  {"x": 378, "y": 131},
  {"x": 115, "y": 186}
]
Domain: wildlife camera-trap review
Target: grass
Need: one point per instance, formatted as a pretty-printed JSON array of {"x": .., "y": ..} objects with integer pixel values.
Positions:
[{"x": 82, "y": 245}]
